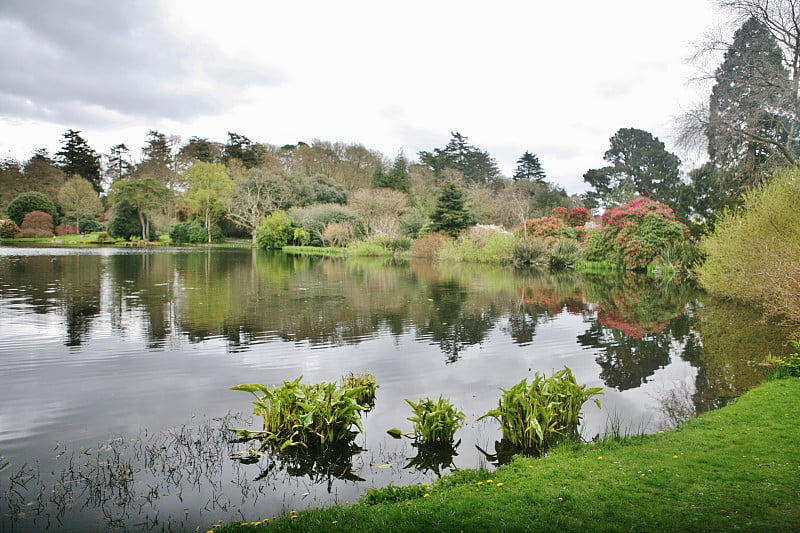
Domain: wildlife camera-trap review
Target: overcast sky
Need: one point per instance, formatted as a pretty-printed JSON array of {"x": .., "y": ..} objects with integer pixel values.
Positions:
[{"x": 554, "y": 78}]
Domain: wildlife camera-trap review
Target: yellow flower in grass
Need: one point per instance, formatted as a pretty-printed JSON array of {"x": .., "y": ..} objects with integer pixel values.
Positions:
[
  {"x": 674, "y": 456},
  {"x": 498, "y": 484},
  {"x": 488, "y": 481},
  {"x": 600, "y": 458},
  {"x": 426, "y": 495}
]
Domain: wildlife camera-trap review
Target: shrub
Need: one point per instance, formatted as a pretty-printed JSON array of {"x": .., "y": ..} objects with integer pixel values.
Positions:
[
  {"x": 198, "y": 234},
  {"x": 30, "y": 201},
  {"x": 754, "y": 253},
  {"x": 637, "y": 244},
  {"x": 275, "y": 230},
  {"x": 337, "y": 234},
  {"x": 374, "y": 247},
  {"x": 535, "y": 416},
  {"x": 37, "y": 224},
  {"x": 428, "y": 245},
  {"x": 633, "y": 234},
  {"x": 530, "y": 252},
  {"x": 179, "y": 232},
  {"x": 435, "y": 422},
  {"x": 9, "y": 229},
  {"x": 90, "y": 226},
  {"x": 599, "y": 246},
  {"x": 481, "y": 244},
  {"x": 547, "y": 228},
  {"x": 124, "y": 221},
  {"x": 66, "y": 229},
  {"x": 315, "y": 218},
  {"x": 564, "y": 253},
  {"x": 560, "y": 213},
  {"x": 578, "y": 217}
]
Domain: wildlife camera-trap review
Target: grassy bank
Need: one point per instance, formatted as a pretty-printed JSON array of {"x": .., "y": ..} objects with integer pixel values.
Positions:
[{"x": 735, "y": 468}]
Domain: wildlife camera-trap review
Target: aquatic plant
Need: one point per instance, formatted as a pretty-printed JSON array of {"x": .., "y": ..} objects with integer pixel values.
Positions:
[
  {"x": 534, "y": 416},
  {"x": 435, "y": 422},
  {"x": 297, "y": 414},
  {"x": 366, "y": 385}
]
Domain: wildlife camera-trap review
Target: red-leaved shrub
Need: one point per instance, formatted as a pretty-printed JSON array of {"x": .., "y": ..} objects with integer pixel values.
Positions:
[
  {"x": 66, "y": 229},
  {"x": 37, "y": 224}
]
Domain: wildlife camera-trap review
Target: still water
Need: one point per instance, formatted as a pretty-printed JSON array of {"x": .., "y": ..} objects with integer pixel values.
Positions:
[{"x": 116, "y": 367}]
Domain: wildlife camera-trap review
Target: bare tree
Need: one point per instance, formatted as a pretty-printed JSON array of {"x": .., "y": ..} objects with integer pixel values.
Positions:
[{"x": 259, "y": 192}]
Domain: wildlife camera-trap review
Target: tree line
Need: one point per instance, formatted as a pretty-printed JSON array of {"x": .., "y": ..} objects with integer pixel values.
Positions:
[
  {"x": 749, "y": 128},
  {"x": 230, "y": 187}
]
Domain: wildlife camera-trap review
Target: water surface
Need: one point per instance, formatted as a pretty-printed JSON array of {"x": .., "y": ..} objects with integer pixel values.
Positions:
[{"x": 116, "y": 366}]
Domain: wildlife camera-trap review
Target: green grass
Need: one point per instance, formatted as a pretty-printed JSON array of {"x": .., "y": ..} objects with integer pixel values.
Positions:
[
  {"x": 315, "y": 250},
  {"x": 735, "y": 468}
]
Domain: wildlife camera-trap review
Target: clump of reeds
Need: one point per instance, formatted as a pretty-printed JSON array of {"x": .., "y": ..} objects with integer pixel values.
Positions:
[{"x": 536, "y": 415}]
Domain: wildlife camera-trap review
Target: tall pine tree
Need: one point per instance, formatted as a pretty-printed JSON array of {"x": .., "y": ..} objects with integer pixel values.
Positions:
[
  {"x": 78, "y": 158},
  {"x": 529, "y": 168}
]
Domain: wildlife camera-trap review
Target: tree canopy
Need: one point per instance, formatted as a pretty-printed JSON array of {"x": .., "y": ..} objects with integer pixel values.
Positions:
[
  {"x": 640, "y": 165},
  {"x": 77, "y": 157},
  {"x": 474, "y": 164},
  {"x": 529, "y": 168}
]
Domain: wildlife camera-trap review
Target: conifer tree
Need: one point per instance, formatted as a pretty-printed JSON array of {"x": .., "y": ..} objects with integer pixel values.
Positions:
[
  {"x": 529, "y": 168},
  {"x": 77, "y": 157},
  {"x": 451, "y": 214}
]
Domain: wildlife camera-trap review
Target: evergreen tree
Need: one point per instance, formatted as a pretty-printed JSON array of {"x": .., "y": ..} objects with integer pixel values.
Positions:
[
  {"x": 751, "y": 125},
  {"x": 200, "y": 149},
  {"x": 240, "y": 147},
  {"x": 529, "y": 168},
  {"x": 451, "y": 215},
  {"x": 397, "y": 178},
  {"x": 640, "y": 164},
  {"x": 119, "y": 164},
  {"x": 76, "y": 157},
  {"x": 476, "y": 165}
]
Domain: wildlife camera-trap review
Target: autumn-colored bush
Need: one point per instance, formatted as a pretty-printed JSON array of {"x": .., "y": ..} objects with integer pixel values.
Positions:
[
  {"x": 66, "y": 229},
  {"x": 37, "y": 224},
  {"x": 8, "y": 229},
  {"x": 428, "y": 245}
]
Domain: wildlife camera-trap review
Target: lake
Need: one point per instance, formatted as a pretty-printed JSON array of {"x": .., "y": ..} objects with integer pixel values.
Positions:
[{"x": 116, "y": 368}]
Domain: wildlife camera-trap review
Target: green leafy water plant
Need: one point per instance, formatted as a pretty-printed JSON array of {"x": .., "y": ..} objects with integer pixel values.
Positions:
[
  {"x": 366, "y": 385},
  {"x": 295, "y": 413},
  {"x": 435, "y": 422},
  {"x": 536, "y": 415}
]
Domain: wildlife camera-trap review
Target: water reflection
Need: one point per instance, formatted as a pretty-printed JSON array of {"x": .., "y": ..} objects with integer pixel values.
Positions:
[{"x": 129, "y": 338}]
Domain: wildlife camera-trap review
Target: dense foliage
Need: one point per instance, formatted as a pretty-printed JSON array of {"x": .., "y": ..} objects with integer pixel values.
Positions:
[
  {"x": 534, "y": 416},
  {"x": 37, "y": 224},
  {"x": 754, "y": 253},
  {"x": 27, "y": 202},
  {"x": 634, "y": 234}
]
